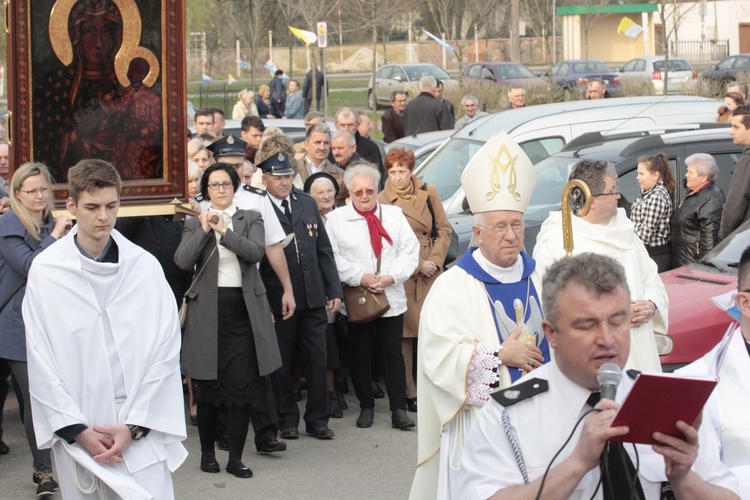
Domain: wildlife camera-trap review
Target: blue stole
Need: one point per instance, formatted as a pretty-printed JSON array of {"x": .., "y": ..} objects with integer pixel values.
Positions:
[{"x": 506, "y": 293}]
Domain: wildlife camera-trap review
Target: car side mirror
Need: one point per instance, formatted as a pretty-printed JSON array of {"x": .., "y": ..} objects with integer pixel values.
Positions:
[
  {"x": 715, "y": 66},
  {"x": 618, "y": 69}
]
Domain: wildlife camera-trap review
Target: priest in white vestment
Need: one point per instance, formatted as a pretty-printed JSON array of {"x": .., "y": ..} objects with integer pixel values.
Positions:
[
  {"x": 728, "y": 408},
  {"x": 103, "y": 341},
  {"x": 480, "y": 327},
  {"x": 607, "y": 230}
]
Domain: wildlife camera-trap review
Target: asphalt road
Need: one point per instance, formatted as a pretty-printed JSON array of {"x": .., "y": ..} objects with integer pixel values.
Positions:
[{"x": 375, "y": 463}]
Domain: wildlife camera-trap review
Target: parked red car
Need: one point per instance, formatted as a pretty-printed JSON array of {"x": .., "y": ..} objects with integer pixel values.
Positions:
[{"x": 696, "y": 323}]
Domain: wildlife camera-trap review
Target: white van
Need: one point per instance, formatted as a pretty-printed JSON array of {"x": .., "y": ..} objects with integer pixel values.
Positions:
[{"x": 544, "y": 129}]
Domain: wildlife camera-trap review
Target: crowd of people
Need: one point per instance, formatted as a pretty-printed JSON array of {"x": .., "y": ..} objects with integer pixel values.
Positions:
[{"x": 286, "y": 243}]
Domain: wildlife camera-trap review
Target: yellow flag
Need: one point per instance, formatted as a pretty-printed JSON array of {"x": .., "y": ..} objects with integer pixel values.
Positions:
[
  {"x": 230, "y": 79},
  {"x": 628, "y": 27},
  {"x": 307, "y": 37}
]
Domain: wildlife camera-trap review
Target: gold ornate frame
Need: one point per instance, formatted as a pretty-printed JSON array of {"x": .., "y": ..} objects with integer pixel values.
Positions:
[{"x": 169, "y": 64}]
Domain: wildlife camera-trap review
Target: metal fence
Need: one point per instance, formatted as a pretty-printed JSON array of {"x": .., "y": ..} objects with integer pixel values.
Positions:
[
  {"x": 697, "y": 50},
  {"x": 218, "y": 95}
]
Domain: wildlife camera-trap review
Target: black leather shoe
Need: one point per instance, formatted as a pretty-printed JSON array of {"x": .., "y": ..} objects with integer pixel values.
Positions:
[
  {"x": 366, "y": 416},
  {"x": 271, "y": 445},
  {"x": 239, "y": 471},
  {"x": 209, "y": 464},
  {"x": 335, "y": 408},
  {"x": 377, "y": 391},
  {"x": 322, "y": 432},
  {"x": 289, "y": 433},
  {"x": 342, "y": 401},
  {"x": 411, "y": 404},
  {"x": 4, "y": 450},
  {"x": 400, "y": 420}
]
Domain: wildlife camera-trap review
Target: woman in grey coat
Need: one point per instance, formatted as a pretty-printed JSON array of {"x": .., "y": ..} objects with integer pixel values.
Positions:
[
  {"x": 229, "y": 341},
  {"x": 25, "y": 232}
]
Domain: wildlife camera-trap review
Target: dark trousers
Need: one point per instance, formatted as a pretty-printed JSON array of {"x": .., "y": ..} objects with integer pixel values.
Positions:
[
  {"x": 389, "y": 332},
  {"x": 263, "y": 417},
  {"x": 41, "y": 458},
  {"x": 306, "y": 329}
]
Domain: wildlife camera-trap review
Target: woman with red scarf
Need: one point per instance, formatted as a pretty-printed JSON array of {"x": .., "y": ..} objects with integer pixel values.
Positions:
[{"x": 362, "y": 234}]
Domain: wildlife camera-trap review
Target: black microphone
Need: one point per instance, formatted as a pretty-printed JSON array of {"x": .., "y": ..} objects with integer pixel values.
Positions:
[{"x": 609, "y": 378}]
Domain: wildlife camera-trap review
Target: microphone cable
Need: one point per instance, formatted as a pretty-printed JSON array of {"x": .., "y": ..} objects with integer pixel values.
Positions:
[{"x": 570, "y": 436}]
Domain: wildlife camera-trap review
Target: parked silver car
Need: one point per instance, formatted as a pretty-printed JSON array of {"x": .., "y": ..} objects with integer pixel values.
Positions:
[
  {"x": 681, "y": 77},
  {"x": 403, "y": 77}
]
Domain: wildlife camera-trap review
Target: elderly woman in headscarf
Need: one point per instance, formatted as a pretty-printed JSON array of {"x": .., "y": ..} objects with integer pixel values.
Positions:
[
  {"x": 375, "y": 248},
  {"x": 423, "y": 209}
]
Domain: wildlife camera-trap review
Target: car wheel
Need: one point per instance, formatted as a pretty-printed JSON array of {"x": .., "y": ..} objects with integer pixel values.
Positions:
[{"x": 371, "y": 101}]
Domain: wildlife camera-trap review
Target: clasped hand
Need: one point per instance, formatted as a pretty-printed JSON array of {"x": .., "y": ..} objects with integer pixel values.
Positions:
[
  {"x": 207, "y": 225},
  {"x": 376, "y": 283},
  {"x": 106, "y": 444}
]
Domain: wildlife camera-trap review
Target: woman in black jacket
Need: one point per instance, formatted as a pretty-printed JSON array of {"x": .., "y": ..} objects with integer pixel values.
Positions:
[{"x": 695, "y": 223}]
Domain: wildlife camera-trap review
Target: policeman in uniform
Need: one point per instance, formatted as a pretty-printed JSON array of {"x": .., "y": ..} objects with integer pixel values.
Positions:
[
  {"x": 231, "y": 149},
  {"x": 316, "y": 284},
  {"x": 517, "y": 435}
]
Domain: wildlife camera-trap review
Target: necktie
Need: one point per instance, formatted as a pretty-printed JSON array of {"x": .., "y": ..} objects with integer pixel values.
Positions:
[
  {"x": 287, "y": 212},
  {"x": 619, "y": 478}
]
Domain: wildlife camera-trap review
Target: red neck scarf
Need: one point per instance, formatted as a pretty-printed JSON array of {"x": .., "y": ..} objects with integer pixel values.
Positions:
[{"x": 376, "y": 230}]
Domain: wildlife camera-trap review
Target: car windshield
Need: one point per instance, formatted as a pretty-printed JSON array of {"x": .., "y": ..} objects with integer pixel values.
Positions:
[
  {"x": 514, "y": 71},
  {"x": 445, "y": 167},
  {"x": 674, "y": 65},
  {"x": 590, "y": 67},
  {"x": 417, "y": 72},
  {"x": 726, "y": 255},
  {"x": 551, "y": 177}
]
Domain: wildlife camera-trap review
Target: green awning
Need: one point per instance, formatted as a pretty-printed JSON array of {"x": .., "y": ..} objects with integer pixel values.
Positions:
[{"x": 634, "y": 8}]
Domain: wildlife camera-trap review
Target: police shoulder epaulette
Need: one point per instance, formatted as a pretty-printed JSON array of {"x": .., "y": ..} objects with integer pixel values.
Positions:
[
  {"x": 633, "y": 374},
  {"x": 519, "y": 392},
  {"x": 254, "y": 189}
]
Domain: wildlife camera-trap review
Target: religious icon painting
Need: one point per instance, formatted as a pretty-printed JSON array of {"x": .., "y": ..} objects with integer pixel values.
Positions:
[{"x": 101, "y": 79}]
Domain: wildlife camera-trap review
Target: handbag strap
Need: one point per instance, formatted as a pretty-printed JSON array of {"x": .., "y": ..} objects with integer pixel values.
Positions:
[
  {"x": 432, "y": 213},
  {"x": 15, "y": 291},
  {"x": 380, "y": 216},
  {"x": 195, "y": 278}
]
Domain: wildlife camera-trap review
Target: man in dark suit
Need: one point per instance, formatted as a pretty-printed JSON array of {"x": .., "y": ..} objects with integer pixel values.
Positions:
[
  {"x": 391, "y": 122},
  {"x": 425, "y": 113},
  {"x": 307, "y": 90},
  {"x": 316, "y": 285}
]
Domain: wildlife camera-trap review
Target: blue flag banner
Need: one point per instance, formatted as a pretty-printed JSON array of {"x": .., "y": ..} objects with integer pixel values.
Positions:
[{"x": 441, "y": 42}]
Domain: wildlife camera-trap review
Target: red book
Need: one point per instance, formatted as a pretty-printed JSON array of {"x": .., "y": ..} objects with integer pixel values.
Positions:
[{"x": 657, "y": 401}]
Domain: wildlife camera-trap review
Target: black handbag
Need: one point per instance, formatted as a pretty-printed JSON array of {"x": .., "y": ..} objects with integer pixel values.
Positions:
[{"x": 453, "y": 247}]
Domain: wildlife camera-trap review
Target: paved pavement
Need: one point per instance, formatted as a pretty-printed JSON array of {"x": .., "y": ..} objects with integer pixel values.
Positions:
[{"x": 375, "y": 463}]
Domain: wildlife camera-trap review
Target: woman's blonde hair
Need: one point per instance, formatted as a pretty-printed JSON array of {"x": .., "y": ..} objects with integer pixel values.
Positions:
[
  {"x": 245, "y": 92},
  {"x": 263, "y": 88},
  {"x": 194, "y": 146},
  {"x": 19, "y": 177}
]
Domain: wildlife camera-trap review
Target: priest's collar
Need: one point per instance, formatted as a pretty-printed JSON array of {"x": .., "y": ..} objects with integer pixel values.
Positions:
[
  {"x": 469, "y": 264},
  {"x": 110, "y": 254},
  {"x": 511, "y": 274}
]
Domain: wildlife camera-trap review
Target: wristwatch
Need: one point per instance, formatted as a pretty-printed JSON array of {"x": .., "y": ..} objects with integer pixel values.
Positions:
[{"x": 137, "y": 432}]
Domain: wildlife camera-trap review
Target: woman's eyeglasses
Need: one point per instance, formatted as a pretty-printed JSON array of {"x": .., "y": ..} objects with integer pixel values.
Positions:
[
  {"x": 35, "y": 192},
  {"x": 359, "y": 193},
  {"x": 220, "y": 185}
]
